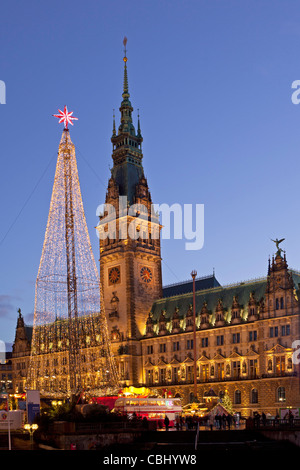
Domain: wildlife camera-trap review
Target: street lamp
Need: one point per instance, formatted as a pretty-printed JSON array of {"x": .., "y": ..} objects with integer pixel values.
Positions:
[
  {"x": 31, "y": 428},
  {"x": 194, "y": 274}
]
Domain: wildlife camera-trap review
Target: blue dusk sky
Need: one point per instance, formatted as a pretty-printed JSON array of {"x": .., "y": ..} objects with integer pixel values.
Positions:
[{"x": 212, "y": 80}]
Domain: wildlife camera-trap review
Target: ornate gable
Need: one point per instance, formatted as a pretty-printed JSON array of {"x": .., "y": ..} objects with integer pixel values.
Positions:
[
  {"x": 235, "y": 355},
  {"x": 251, "y": 352},
  {"x": 174, "y": 360},
  {"x": 278, "y": 349},
  {"x": 188, "y": 359},
  {"x": 161, "y": 361},
  {"x": 149, "y": 363},
  {"x": 203, "y": 358},
  {"x": 218, "y": 357}
]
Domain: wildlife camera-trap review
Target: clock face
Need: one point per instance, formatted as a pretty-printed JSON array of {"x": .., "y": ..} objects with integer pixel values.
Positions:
[
  {"x": 114, "y": 275},
  {"x": 146, "y": 274}
]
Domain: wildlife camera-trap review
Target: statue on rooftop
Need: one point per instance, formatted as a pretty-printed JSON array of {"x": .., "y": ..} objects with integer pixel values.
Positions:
[{"x": 277, "y": 243}]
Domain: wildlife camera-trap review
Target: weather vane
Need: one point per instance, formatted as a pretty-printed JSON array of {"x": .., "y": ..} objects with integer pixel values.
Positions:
[{"x": 66, "y": 117}]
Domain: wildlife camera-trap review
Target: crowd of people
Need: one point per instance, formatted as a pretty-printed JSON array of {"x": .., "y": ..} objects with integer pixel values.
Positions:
[
  {"x": 223, "y": 421},
  {"x": 190, "y": 422}
]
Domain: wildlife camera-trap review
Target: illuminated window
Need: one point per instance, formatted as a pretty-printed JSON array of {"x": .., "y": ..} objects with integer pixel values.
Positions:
[
  {"x": 280, "y": 365},
  {"x": 281, "y": 394},
  {"x": 253, "y": 367}
]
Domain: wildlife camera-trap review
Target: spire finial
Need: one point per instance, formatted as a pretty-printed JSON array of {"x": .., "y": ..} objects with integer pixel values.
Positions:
[
  {"x": 125, "y": 43},
  {"x": 125, "y": 85}
]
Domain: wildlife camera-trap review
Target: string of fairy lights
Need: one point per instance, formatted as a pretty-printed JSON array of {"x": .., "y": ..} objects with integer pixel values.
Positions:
[{"x": 49, "y": 369}]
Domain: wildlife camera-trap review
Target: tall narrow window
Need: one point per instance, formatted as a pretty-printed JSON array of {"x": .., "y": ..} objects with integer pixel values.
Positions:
[
  {"x": 254, "y": 395},
  {"x": 236, "y": 338},
  {"x": 205, "y": 372},
  {"x": 253, "y": 368},
  {"x": 280, "y": 365},
  {"x": 237, "y": 397},
  {"x": 236, "y": 369}
]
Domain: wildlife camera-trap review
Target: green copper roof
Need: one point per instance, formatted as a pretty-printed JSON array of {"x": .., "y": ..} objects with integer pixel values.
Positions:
[
  {"x": 226, "y": 293},
  {"x": 211, "y": 296}
]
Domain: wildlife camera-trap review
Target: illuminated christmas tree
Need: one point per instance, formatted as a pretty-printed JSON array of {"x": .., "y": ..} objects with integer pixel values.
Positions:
[
  {"x": 70, "y": 350},
  {"x": 227, "y": 403}
]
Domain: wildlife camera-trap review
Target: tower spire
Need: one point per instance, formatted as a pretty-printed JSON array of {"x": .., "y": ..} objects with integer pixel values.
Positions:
[
  {"x": 127, "y": 150},
  {"x": 126, "y": 108}
]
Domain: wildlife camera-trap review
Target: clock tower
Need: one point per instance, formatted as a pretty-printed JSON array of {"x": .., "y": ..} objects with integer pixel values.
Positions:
[{"x": 130, "y": 254}]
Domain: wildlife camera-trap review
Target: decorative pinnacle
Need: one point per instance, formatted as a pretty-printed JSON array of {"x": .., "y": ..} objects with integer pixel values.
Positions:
[
  {"x": 139, "y": 127},
  {"x": 114, "y": 124},
  {"x": 194, "y": 274}
]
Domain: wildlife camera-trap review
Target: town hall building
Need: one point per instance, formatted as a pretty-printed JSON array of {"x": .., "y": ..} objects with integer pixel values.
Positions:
[{"x": 244, "y": 332}]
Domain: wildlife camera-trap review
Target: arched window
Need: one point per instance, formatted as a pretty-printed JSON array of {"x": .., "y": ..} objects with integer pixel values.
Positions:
[
  {"x": 280, "y": 394},
  {"x": 254, "y": 395},
  {"x": 237, "y": 397}
]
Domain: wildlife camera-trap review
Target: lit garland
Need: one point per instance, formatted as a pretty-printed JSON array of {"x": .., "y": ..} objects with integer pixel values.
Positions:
[{"x": 49, "y": 369}]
